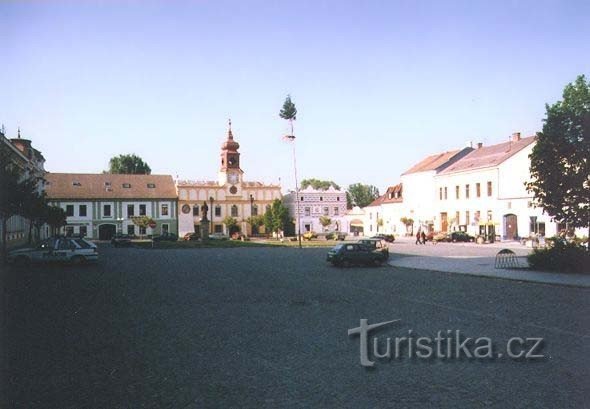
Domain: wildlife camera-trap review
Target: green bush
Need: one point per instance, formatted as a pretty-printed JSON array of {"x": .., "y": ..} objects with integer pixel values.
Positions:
[{"x": 562, "y": 256}]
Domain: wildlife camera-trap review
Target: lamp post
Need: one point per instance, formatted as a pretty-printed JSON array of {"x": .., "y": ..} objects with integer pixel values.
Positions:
[
  {"x": 211, "y": 200},
  {"x": 251, "y": 214}
]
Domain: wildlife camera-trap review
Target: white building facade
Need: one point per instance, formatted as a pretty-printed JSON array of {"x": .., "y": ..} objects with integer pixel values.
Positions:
[{"x": 315, "y": 204}]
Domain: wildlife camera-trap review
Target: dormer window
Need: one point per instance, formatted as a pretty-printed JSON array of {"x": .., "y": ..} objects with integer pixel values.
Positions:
[
  {"x": 107, "y": 184},
  {"x": 126, "y": 185},
  {"x": 151, "y": 185},
  {"x": 76, "y": 184}
]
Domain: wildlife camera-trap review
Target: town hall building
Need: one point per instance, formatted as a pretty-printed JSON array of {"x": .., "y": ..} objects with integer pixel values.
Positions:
[{"x": 229, "y": 196}]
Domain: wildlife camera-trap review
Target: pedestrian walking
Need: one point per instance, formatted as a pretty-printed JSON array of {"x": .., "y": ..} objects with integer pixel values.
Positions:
[
  {"x": 423, "y": 237},
  {"x": 418, "y": 237}
]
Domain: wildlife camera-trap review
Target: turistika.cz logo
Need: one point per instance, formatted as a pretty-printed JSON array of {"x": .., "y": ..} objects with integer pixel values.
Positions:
[{"x": 447, "y": 344}]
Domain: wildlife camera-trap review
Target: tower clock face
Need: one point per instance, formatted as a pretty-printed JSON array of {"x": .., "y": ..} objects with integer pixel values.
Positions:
[
  {"x": 232, "y": 178},
  {"x": 231, "y": 161}
]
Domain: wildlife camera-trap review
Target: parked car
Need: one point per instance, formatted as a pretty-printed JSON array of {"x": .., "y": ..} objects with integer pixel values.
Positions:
[
  {"x": 190, "y": 237},
  {"x": 376, "y": 245},
  {"x": 346, "y": 254},
  {"x": 461, "y": 236},
  {"x": 57, "y": 249},
  {"x": 218, "y": 236},
  {"x": 121, "y": 240},
  {"x": 438, "y": 237},
  {"x": 390, "y": 238},
  {"x": 165, "y": 237}
]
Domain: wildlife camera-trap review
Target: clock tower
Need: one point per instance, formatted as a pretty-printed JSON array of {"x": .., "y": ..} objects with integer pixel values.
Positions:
[{"x": 230, "y": 172}]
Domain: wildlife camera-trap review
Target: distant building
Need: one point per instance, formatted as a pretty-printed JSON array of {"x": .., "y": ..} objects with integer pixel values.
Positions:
[
  {"x": 31, "y": 164},
  {"x": 313, "y": 204},
  {"x": 229, "y": 196},
  {"x": 99, "y": 205},
  {"x": 384, "y": 214}
]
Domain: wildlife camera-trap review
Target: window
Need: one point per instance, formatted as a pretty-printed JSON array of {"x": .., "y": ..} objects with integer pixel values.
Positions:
[
  {"x": 308, "y": 211},
  {"x": 458, "y": 217},
  {"x": 126, "y": 185},
  {"x": 142, "y": 210},
  {"x": 218, "y": 211},
  {"x": 142, "y": 230},
  {"x": 106, "y": 210},
  {"x": 234, "y": 211},
  {"x": 370, "y": 216},
  {"x": 490, "y": 215},
  {"x": 164, "y": 209},
  {"x": 456, "y": 192},
  {"x": 440, "y": 193},
  {"x": 321, "y": 198},
  {"x": 165, "y": 228},
  {"x": 338, "y": 198},
  {"x": 301, "y": 200},
  {"x": 77, "y": 184},
  {"x": 218, "y": 228},
  {"x": 82, "y": 211},
  {"x": 466, "y": 191},
  {"x": 477, "y": 216},
  {"x": 69, "y": 232},
  {"x": 69, "y": 210},
  {"x": 326, "y": 211},
  {"x": 83, "y": 231},
  {"x": 336, "y": 211},
  {"x": 195, "y": 210},
  {"x": 107, "y": 184},
  {"x": 467, "y": 221},
  {"x": 446, "y": 191},
  {"x": 478, "y": 189},
  {"x": 151, "y": 185},
  {"x": 131, "y": 229},
  {"x": 254, "y": 210},
  {"x": 130, "y": 210},
  {"x": 489, "y": 188}
]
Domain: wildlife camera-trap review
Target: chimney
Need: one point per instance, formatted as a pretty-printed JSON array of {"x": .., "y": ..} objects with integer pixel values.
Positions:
[
  {"x": 516, "y": 137},
  {"x": 469, "y": 144},
  {"x": 479, "y": 145}
]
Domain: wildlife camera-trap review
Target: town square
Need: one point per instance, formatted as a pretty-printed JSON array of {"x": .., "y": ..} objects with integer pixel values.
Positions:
[{"x": 341, "y": 204}]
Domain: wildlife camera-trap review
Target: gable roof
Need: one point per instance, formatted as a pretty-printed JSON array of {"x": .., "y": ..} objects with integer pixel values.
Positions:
[
  {"x": 438, "y": 161},
  {"x": 389, "y": 196},
  {"x": 489, "y": 156},
  {"x": 108, "y": 186}
]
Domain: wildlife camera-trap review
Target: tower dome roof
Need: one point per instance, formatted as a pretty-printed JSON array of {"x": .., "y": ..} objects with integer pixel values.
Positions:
[{"x": 230, "y": 144}]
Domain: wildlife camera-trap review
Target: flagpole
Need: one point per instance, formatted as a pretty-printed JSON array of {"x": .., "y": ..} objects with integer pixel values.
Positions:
[{"x": 298, "y": 230}]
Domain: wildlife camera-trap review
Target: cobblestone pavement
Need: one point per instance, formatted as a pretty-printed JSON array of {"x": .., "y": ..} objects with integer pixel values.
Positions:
[{"x": 267, "y": 327}]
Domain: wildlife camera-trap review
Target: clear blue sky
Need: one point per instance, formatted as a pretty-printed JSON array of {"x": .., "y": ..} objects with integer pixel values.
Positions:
[{"x": 378, "y": 84}]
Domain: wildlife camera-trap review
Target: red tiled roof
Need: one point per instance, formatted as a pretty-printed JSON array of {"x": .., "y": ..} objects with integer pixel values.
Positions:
[
  {"x": 488, "y": 156},
  {"x": 389, "y": 196},
  {"x": 108, "y": 186}
]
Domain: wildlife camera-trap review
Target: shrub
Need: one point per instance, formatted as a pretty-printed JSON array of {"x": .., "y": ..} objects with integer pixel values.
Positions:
[{"x": 562, "y": 256}]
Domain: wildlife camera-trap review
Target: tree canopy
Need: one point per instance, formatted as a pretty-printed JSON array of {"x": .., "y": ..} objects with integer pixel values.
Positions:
[
  {"x": 277, "y": 217},
  {"x": 288, "y": 112},
  {"x": 128, "y": 164},
  {"x": 318, "y": 184},
  {"x": 361, "y": 195},
  {"x": 560, "y": 165}
]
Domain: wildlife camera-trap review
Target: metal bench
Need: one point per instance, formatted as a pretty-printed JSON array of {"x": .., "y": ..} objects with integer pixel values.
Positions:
[{"x": 506, "y": 259}]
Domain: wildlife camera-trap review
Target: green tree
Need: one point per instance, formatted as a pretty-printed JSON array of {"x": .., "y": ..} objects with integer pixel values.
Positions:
[
  {"x": 128, "y": 164},
  {"x": 361, "y": 195},
  {"x": 142, "y": 221},
  {"x": 16, "y": 191},
  {"x": 289, "y": 112},
  {"x": 325, "y": 221},
  {"x": 318, "y": 184},
  {"x": 255, "y": 221},
  {"x": 277, "y": 217},
  {"x": 55, "y": 217},
  {"x": 231, "y": 224},
  {"x": 409, "y": 223},
  {"x": 560, "y": 160}
]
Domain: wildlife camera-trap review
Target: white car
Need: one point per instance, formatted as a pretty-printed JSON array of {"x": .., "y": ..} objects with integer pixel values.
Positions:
[{"x": 59, "y": 249}]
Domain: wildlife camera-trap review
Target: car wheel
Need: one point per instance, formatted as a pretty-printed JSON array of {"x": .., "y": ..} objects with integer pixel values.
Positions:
[{"x": 77, "y": 260}]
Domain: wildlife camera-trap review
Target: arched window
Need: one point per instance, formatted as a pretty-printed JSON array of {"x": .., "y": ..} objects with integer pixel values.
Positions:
[
  {"x": 254, "y": 210},
  {"x": 234, "y": 211}
]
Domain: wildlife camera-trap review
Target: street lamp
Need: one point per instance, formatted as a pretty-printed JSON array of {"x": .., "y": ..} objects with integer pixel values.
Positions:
[{"x": 251, "y": 214}]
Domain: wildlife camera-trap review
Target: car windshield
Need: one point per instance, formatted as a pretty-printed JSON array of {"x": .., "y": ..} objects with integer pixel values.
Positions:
[
  {"x": 83, "y": 244},
  {"x": 338, "y": 246}
]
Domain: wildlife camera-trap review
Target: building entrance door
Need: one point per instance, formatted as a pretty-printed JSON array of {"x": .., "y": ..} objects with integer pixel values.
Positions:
[
  {"x": 510, "y": 226},
  {"x": 444, "y": 222}
]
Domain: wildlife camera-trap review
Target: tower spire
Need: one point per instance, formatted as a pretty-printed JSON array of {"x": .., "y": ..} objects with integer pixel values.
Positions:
[
  {"x": 230, "y": 135},
  {"x": 18, "y": 132}
]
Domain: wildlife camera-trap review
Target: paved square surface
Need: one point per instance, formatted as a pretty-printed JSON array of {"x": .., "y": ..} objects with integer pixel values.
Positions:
[{"x": 267, "y": 327}]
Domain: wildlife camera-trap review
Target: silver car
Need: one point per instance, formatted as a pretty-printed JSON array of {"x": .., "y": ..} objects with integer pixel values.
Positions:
[{"x": 59, "y": 249}]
